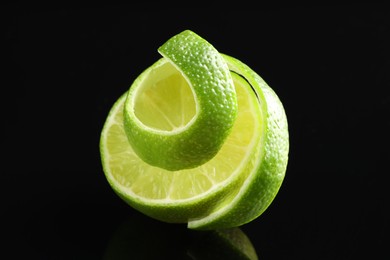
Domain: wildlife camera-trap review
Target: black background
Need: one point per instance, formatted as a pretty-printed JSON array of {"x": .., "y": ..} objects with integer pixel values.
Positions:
[{"x": 65, "y": 67}]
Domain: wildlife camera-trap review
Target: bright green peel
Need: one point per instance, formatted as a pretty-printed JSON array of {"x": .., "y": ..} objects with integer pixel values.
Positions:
[{"x": 181, "y": 144}]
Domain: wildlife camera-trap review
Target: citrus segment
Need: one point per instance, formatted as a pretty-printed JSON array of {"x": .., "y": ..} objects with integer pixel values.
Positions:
[{"x": 179, "y": 111}]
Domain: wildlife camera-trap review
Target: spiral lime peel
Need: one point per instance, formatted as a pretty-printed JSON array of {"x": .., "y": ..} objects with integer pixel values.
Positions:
[
  {"x": 233, "y": 184},
  {"x": 183, "y": 142}
]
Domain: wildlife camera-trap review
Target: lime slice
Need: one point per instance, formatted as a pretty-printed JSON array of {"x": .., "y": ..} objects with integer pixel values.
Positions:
[
  {"x": 177, "y": 196},
  {"x": 182, "y": 131},
  {"x": 232, "y": 188}
]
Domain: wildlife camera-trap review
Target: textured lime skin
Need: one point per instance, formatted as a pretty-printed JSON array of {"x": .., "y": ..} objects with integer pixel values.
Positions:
[
  {"x": 259, "y": 189},
  {"x": 193, "y": 145}
]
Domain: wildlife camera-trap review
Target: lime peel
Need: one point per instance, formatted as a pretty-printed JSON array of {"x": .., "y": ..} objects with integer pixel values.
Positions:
[
  {"x": 215, "y": 99},
  {"x": 264, "y": 181}
]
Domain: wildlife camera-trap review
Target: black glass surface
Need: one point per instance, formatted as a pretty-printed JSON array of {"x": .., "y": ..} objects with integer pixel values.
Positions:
[{"x": 63, "y": 68}]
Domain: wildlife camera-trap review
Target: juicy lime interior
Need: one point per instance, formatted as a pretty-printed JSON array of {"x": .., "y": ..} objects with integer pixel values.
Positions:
[
  {"x": 165, "y": 100},
  {"x": 140, "y": 180}
]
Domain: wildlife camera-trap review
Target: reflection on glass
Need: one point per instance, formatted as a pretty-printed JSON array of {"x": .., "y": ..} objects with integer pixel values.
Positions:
[
  {"x": 143, "y": 238},
  {"x": 221, "y": 244}
]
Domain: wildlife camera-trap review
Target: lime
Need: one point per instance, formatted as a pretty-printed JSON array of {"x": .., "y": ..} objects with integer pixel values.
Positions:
[
  {"x": 179, "y": 112},
  {"x": 233, "y": 187}
]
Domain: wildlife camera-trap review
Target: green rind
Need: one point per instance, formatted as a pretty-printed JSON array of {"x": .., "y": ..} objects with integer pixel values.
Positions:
[
  {"x": 209, "y": 77},
  {"x": 260, "y": 188}
]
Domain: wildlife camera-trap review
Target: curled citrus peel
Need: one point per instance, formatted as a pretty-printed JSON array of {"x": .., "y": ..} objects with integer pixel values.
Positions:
[
  {"x": 199, "y": 138},
  {"x": 188, "y": 144}
]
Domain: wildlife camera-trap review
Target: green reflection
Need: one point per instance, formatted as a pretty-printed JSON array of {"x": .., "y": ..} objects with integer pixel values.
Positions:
[
  {"x": 221, "y": 244},
  {"x": 143, "y": 238}
]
